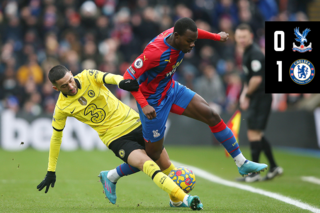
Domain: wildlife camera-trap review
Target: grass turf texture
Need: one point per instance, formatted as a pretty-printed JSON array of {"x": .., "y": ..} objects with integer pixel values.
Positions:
[{"x": 78, "y": 188}]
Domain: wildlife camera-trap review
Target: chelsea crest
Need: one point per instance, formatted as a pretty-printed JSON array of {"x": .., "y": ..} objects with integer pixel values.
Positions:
[{"x": 302, "y": 71}]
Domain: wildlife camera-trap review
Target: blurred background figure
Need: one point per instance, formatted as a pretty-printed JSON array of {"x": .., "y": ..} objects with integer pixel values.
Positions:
[{"x": 108, "y": 35}]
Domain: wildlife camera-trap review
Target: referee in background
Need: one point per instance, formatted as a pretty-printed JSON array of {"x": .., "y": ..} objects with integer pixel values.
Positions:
[{"x": 256, "y": 102}]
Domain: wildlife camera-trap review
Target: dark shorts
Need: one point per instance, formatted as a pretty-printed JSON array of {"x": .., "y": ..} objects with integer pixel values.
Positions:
[
  {"x": 258, "y": 111},
  {"x": 122, "y": 147}
]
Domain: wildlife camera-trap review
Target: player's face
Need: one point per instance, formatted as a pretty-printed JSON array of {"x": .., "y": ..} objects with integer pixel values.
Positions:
[
  {"x": 243, "y": 37},
  {"x": 186, "y": 42},
  {"x": 67, "y": 85}
]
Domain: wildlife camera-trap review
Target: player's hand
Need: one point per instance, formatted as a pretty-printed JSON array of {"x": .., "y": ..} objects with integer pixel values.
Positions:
[
  {"x": 223, "y": 36},
  {"x": 50, "y": 179},
  {"x": 244, "y": 103},
  {"x": 129, "y": 85},
  {"x": 149, "y": 111}
]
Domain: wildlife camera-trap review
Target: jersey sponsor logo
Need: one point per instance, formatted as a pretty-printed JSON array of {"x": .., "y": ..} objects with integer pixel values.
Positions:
[
  {"x": 155, "y": 133},
  {"x": 82, "y": 101},
  {"x": 91, "y": 93},
  {"x": 174, "y": 68},
  {"x": 122, "y": 153},
  {"x": 138, "y": 63},
  {"x": 132, "y": 70},
  {"x": 255, "y": 65},
  {"x": 301, "y": 38},
  {"x": 302, "y": 71},
  {"x": 73, "y": 110},
  {"x": 97, "y": 114}
]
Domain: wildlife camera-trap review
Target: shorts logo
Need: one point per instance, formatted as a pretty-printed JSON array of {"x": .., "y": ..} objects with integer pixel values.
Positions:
[
  {"x": 156, "y": 133},
  {"x": 121, "y": 153},
  {"x": 91, "y": 93},
  {"x": 138, "y": 63},
  {"x": 301, "y": 38},
  {"x": 302, "y": 71},
  {"x": 132, "y": 70}
]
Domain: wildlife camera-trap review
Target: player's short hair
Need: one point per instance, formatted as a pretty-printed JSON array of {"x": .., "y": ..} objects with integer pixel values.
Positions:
[
  {"x": 184, "y": 24},
  {"x": 244, "y": 26},
  {"x": 56, "y": 73}
]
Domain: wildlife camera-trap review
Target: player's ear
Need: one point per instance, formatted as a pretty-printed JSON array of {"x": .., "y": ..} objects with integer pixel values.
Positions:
[{"x": 55, "y": 88}]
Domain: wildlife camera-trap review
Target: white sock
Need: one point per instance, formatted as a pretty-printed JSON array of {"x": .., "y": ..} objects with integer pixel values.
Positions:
[
  {"x": 239, "y": 159},
  {"x": 113, "y": 175},
  {"x": 185, "y": 200}
]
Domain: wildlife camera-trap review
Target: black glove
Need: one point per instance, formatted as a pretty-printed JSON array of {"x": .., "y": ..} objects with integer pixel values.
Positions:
[
  {"x": 129, "y": 85},
  {"x": 49, "y": 179}
]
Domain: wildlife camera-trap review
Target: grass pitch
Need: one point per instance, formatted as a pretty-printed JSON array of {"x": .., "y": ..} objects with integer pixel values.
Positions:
[{"x": 78, "y": 189}]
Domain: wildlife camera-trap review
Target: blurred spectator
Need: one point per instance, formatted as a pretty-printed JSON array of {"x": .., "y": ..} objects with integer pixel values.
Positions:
[
  {"x": 210, "y": 87},
  {"x": 31, "y": 70},
  {"x": 109, "y": 34}
]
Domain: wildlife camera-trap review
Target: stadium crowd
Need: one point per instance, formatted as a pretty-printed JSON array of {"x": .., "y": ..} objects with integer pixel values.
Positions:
[{"x": 108, "y": 35}]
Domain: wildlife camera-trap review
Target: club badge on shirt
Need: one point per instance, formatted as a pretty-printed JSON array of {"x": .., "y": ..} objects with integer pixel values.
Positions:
[{"x": 82, "y": 101}]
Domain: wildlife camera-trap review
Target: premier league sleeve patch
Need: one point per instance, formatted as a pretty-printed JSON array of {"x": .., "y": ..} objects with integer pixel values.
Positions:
[
  {"x": 302, "y": 71},
  {"x": 138, "y": 63}
]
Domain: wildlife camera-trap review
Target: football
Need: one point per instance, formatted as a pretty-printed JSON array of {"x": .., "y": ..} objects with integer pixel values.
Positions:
[{"x": 184, "y": 178}]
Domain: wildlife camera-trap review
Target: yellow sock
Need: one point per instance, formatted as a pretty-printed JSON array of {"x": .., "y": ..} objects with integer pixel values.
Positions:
[
  {"x": 162, "y": 180},
  {"x": 167, "y": 171}
]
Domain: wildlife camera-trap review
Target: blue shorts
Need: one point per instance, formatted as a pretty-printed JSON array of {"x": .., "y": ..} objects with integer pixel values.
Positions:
[{"x": 176, "y": 101}]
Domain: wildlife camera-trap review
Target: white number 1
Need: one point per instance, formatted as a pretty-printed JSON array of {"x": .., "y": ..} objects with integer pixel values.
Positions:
[{"x": 279, "y": 71}]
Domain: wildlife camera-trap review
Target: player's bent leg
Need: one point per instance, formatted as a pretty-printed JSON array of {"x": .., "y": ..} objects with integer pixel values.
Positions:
[
  {"x": 154, "y": 149},
  {"x": 139, "y": 159},
  {"x": 199, "y": 109}
]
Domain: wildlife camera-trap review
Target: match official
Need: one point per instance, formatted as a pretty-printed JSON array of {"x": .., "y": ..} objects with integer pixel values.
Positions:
[{"x": 256, "y": 102}]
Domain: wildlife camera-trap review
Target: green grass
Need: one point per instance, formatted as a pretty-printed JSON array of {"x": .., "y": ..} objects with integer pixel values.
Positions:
[{"x": 78, "y": 189}]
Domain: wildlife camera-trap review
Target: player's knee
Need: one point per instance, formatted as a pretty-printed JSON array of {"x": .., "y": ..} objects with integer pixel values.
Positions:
[{"x": 213, "y": 118}]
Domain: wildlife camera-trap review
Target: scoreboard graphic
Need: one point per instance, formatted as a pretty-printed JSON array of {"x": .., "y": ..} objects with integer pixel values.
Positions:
[{"x": 292, "y": 57}]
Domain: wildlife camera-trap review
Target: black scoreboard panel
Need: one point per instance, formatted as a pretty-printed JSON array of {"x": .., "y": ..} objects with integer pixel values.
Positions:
[{"x": 292, "y": 57}]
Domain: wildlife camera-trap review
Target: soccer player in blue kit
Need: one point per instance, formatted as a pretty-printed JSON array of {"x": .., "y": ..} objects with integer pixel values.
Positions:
[{"x": 159, "y": 94}]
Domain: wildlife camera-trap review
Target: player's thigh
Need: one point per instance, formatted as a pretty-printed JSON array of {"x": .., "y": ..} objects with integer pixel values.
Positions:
[
  {"x": 154, "y": 149},
  {"x": 125, "y": 145},
  {"x": 182, "y": 98}
]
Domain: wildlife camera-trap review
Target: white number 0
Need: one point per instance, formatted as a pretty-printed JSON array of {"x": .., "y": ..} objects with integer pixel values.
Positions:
[{"x": 276, "y": 46}]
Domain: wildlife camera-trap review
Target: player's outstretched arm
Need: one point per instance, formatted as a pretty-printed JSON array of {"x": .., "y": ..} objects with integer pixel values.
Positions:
[{"x": 222, "y": 36}]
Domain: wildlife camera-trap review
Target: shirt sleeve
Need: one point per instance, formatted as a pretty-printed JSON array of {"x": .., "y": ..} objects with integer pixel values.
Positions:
[
  {"x": 104, "y": 77},
  {"x": 257, "y": 64},
  {"x": 202, "y": 34},
  {"x": 58, "y": 123},
  {"x": 59, "y": 119},
  {"x": 149, "y": 59},
  {"x": 54, "y": 151}
]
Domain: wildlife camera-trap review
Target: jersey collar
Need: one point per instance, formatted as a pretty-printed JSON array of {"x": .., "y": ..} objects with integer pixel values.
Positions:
[
  {"x": 165, "y": 41},
  {"x": 78, "y": 85}
]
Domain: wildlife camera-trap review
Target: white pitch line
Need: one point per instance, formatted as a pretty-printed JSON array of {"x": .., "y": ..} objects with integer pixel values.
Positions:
[
  {"x": 216, "y": 179},
  {"x": 311, "y": 179}
]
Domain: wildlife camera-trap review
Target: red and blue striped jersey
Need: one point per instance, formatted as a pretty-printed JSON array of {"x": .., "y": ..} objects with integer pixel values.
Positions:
[{"x": 155, "y": 68}]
